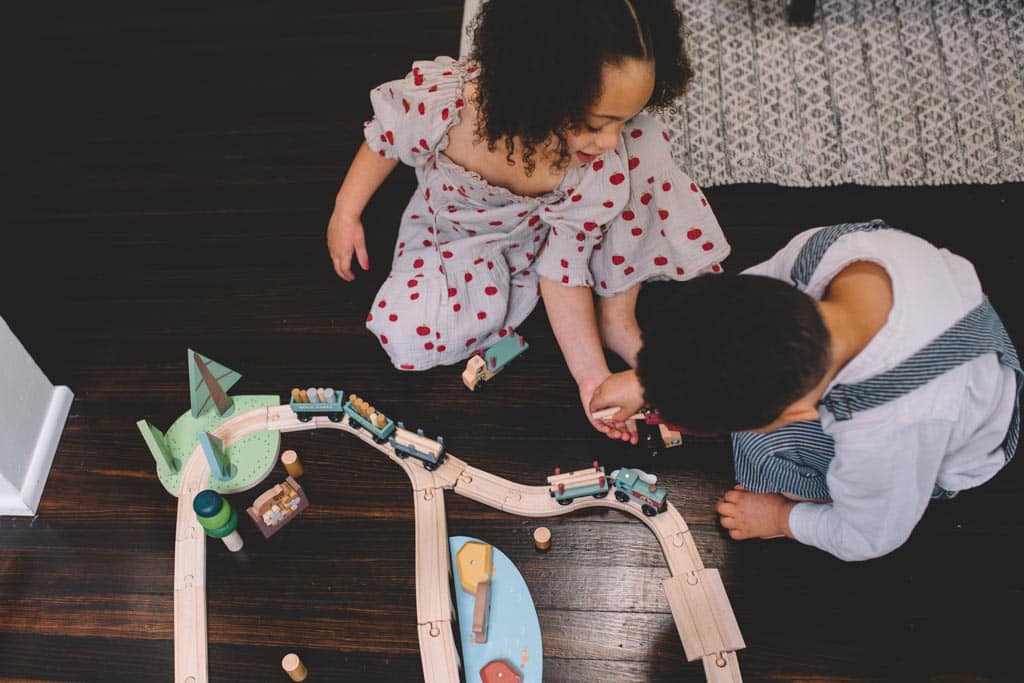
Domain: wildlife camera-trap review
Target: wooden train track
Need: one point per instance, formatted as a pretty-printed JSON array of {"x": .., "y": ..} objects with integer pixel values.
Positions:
[{"x": 696, "y": 596}]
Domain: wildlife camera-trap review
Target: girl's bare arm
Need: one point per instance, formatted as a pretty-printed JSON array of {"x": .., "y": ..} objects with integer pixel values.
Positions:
[
  {"x": 574, "y": 322},
  {"x": 345, "y": 234}
]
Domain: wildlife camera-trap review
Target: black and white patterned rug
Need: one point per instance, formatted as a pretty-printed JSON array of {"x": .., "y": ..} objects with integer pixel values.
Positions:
[{"x": 875, "y": 92}]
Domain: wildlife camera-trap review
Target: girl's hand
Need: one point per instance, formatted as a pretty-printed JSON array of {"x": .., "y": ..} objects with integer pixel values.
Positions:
[
  {"x": 345, "y": 236},
  {"x": 614, "y": 390}
]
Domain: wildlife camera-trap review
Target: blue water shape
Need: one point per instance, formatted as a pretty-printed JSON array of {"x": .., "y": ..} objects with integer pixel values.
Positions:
[{"x": 513, "y": 629}]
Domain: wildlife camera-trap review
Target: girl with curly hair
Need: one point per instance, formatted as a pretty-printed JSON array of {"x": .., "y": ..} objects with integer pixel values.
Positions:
[{"x": 538, "y": 176}]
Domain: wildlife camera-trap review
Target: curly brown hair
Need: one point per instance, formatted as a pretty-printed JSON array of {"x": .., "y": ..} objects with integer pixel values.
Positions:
[{"x": 541, "y": 63}]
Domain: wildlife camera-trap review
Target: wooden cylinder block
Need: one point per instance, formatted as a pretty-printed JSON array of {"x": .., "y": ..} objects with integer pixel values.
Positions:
[
  {"x": 290, "y": 460},
  {"x": 542, "y": 538},
  {"x": 233, "y": 541},
  {"x": 294, "y": 667}
]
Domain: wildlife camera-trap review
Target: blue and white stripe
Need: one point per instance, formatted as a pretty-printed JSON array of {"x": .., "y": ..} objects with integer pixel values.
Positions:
[
  {"x": 815, "y": 247},
  {"x": 792, "y": 459}
]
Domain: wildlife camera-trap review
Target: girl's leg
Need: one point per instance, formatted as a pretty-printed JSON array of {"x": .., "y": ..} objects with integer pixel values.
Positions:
[{"x": 617, "y": 325}]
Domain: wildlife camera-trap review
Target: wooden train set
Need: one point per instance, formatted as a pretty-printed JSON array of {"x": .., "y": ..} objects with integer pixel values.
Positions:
[{"x": 696, "y": 595}]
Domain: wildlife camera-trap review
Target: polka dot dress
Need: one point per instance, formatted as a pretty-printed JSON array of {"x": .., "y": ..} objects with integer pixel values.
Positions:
[{"x": 468, "y": 256}]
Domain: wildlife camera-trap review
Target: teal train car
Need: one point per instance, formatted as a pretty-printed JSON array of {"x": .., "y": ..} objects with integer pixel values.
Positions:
[
  {"x": 406, "y": 443},
  {"x": 306, "y": 409},
  {"x": 592, "y": 481},
  {"x": 484, "y": 365},
  {"x": 361, "y": 415},
  {"x": 641, "y": 488}
]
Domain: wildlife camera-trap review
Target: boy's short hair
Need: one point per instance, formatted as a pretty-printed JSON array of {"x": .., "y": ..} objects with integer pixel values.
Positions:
[
  {"x": 731, "y": 352},
  {"x": 541, "y": 63}
]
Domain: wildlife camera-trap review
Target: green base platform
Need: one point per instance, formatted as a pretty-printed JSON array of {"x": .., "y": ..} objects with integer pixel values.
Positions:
[{"x": 252, "y": 458}]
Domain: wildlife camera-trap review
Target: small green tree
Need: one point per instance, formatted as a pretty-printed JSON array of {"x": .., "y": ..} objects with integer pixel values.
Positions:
[{"x": 209, "y": 381}]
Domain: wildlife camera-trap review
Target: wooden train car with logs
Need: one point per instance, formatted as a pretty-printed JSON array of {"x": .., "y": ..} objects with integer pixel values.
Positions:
[
  {"x": 361, "y": 415},
  {"x": 415, "y": 444},
  {"x": 567, "y": 487},
  {"x": 317, "y": 402}
]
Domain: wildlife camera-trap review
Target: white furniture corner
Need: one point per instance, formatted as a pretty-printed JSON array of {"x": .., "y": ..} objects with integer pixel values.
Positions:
[
  {"x": 32, "y": 416},
  {"x": 469, "y": 10}
]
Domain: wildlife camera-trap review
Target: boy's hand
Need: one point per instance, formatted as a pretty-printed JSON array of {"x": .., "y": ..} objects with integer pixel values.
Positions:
[
  {"x": 754, "y": 515},
  {"x": 620, "y": 389},
  {"x": 345, "y": 236},
  {"x": 610, "y": 429}
]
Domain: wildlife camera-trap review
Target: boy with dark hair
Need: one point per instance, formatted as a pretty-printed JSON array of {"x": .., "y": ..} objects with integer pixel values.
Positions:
[{"x": 862, "y": 372}]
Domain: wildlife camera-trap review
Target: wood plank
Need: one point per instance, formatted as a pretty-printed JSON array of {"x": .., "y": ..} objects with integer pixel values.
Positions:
[{"x": 171, "y": 174}]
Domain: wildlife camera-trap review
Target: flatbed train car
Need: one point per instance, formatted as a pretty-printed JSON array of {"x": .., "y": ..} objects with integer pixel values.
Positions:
[
  {"x": 406, "y": 443},
  {"x": 567, "y": 487}
]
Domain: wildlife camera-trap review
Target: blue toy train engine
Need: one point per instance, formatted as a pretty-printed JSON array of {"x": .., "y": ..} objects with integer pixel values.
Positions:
[{"x": 640, "y": 487}]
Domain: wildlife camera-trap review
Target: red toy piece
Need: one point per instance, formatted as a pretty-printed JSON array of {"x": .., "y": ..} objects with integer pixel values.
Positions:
[{"x": 499, "y": 671}]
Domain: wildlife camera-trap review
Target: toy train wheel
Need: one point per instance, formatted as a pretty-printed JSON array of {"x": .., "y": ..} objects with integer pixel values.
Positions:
[
  {"x": 565, "y": 501},
  {"x": 303, "y": 417},
  {"x": 621, "y": 497},
  {"x": 601, "y": 495},
  {"x": 334, "y": 417},
  {"x": 653, "y": 442},
  {"x": 648, "y": 510},
  {"x": 429, "y": 466}
]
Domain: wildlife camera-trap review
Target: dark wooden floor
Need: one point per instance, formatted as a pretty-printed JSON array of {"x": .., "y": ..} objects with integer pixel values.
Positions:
[{"x": 173, "y": 172}]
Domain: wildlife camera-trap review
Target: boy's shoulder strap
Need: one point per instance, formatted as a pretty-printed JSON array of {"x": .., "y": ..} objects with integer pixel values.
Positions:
[
  {"x": 814, "y": 248},
  {"x": 979, "y": 332}
]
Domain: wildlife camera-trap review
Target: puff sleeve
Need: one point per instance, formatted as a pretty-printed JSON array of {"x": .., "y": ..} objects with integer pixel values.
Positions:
[
  {"x": 411, "y": 116},
  {"x": 667, "y": 229}
]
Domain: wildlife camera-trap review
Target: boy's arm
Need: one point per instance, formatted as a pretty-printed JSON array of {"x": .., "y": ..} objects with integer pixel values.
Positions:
[
  {"x": 621, "y": 390},
  {"x": 574, "y": 322},
  {"x": 881, "y": 481},
  {"x": 345, "y": 234}
]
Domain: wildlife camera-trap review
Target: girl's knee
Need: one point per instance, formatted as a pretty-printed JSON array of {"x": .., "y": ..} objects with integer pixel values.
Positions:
[{"x": 425, "y": 321}]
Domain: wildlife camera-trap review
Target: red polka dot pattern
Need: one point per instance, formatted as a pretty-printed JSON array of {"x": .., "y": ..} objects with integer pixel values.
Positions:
[{"x": 469, "y": 254}]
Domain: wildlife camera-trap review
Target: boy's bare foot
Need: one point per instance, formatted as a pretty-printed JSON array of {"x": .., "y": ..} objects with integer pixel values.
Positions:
[{"x": 754, "y": 515}]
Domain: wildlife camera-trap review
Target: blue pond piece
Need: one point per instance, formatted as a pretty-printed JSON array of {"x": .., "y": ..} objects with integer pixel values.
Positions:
[{"x": 513, "y": 628}]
